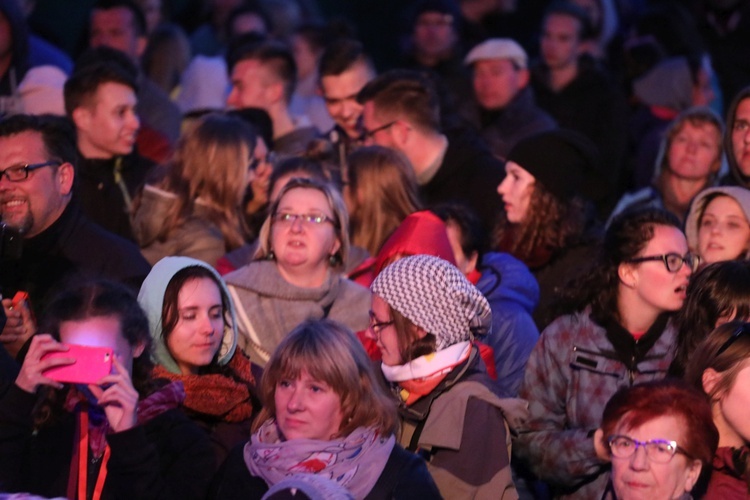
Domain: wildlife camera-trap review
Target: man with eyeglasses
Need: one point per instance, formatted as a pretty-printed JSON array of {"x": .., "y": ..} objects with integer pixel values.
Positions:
[
  {"x": 401, "y": 111},
  {"x": 37, "y": 175}
]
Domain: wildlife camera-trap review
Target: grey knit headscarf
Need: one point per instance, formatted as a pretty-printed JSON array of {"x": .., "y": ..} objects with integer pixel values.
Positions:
[{"x": 434, "y": 295}]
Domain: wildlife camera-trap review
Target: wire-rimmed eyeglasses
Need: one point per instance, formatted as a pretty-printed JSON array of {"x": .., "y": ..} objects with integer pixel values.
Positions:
[{"x": 657, "y": 450}]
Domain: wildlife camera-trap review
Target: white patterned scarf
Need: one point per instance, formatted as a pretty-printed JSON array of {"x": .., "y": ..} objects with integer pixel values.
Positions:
[{"x": 354, "y": 461}]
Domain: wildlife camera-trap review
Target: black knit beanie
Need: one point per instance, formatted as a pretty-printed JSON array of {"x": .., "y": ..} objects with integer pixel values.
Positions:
[{"x": 558, "y": 159}]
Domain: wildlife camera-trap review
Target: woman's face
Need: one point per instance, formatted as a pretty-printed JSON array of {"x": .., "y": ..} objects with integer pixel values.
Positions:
[
  {"x": 196, "y": 338},
  {"x": 656, "y": 288},
  {"x": 516, "y": 190},
  {"x": 385, "y": 336},
  {"x": 101, "y": 331},
  {"x": 694, "y": 151},
  {"x": 723, "y": 231},
  {"x": 731, "y": 419},
  {"x": 307, "y": 408},
  {"x": 301, "y": 246},
  {"x": 639, "y": 477}
]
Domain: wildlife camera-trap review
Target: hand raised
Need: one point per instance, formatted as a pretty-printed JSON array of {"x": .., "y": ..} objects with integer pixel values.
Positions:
[
  {"x": 18, "y": 328},
  {"x": 32, "y": 371},
  {"x": 116, "y": 394}
]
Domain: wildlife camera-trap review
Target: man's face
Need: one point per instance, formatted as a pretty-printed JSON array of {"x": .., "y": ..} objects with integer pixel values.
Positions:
[
  {"x": 33, "y": 204},
  {"x": 497, "y": 81},
  {"x": 115, "y": 28},
  {"x": 251, "y": 83},
  {"x": 107, "y": 127},
  {"x": 560, "y": 43},
  {"x": 376, "y": 130},
  {"x": 434, "y": 35},
  {"x": 340, "y": 94},
  {"x": 741, "y": 136}
]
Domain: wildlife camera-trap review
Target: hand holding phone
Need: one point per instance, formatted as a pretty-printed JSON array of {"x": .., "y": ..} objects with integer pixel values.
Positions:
[
  {"x": 91, "y": 364},
  {"x": 35, "y": 363},
  {"x": 20, "y": 324}
]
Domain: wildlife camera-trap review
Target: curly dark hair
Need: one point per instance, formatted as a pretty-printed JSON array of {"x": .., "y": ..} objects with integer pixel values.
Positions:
[
  {"x": 551, "y": 224},
  {"x": 625, "y": 238}
]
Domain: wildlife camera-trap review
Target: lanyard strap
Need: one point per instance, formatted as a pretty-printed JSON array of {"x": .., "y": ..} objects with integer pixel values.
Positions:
[{"x": 83, "y": 451}]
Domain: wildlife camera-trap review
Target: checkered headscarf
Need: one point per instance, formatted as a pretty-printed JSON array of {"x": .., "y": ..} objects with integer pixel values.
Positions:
[{"x": 434, "y": 295}]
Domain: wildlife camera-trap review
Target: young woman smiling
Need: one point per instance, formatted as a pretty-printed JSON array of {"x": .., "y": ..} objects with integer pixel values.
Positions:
[{"x": 193, "y": 326}]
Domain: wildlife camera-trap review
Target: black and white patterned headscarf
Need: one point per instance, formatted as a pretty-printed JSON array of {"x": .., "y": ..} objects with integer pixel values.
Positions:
[{"x": 434, "y": 295}]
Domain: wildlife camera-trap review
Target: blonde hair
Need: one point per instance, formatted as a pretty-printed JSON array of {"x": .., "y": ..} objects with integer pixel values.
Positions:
[
  {"x": 330, "y": 353},
  {"x": 340, "y": 216},
  {"x": 383, "y": 183},
  {"x": 210, "y": 164}
]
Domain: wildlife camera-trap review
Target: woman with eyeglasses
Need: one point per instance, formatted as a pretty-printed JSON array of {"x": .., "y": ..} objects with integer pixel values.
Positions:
[
  {"x": 296, "y": 272},
  {"x": 659, "y": 437},
  {"x": 718, "y": 224},
  {"x": 720, "y": 366},
  {"x": 425, "y": 315},
  {"x": 195, "y": 211},
  {"x": 615, "y": 331}
]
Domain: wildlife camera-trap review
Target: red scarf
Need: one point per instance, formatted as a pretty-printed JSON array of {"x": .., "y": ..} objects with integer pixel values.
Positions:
[{"x": 216, "y": 394}]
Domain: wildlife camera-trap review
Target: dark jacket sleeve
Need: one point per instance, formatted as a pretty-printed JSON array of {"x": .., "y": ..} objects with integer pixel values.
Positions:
[
  {"x": 405, "y": 476},
  {"x": 481, "y": 464},
  {"x": 234, "y": 481},
  {"x": 169, "y": 457},
  {"x": 15, "y": 433}
]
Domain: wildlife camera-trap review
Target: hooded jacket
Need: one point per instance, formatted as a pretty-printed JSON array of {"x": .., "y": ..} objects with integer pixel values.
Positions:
[
  {"x": 653, "y": 195},
  {"x": 151, "y": 299},
  {"x": 513, "y": 293},
  {"x": 739, "y": 194},
  {"x": 735, "y": 176},
  {"x": 222, "y": 402}
]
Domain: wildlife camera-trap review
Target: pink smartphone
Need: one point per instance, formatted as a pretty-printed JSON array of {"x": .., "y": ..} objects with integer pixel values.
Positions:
[{"x": 92, "y": 363}]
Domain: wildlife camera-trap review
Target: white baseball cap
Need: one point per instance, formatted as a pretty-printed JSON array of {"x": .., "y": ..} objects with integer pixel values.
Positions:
[{"x": 498, "y": 48}]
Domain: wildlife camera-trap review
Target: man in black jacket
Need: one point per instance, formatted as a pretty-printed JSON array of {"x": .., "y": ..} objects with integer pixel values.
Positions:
[
  {"x": 401, "y": 111},
  {"x": 37, "y": 175}
]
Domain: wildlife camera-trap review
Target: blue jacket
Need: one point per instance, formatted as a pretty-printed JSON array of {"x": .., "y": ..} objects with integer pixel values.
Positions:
[{"x": 513, "y": 293}]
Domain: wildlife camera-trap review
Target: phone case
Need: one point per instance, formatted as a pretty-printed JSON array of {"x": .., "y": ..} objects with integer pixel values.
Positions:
[{"x": 92, "y": 363}]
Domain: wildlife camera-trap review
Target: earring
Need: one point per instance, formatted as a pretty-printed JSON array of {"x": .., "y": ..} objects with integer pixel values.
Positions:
[
  {"x": 333, "y": 260},
  {"x": 271, "y": 255}
]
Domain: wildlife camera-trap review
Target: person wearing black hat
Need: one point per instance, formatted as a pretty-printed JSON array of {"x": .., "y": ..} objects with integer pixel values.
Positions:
[{"x": 548, "y": 222}]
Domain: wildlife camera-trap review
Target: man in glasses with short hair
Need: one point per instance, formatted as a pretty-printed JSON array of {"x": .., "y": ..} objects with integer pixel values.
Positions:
[{"x": 57, "y": 241}]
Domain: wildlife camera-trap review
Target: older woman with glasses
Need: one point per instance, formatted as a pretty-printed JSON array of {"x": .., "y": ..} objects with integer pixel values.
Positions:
[
  {"x": 659, "y": 437},
  {"x": 296, "y": 273},
  {"x": 615, "y": 331},
  {"x": 721, "y": 367}
]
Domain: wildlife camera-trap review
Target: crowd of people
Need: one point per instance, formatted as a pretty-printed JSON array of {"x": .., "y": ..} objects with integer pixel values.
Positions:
[{"x": 435, "y": 249}]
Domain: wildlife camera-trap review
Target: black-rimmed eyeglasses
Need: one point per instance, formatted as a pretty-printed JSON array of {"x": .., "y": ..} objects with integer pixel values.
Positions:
[
  {"x": 743, "y": 328},
  {"x": 672, "y": 261},
  {"x": 368, "y": 134},
  {"x": 18, "y": 173},
  {"x": 657, "y": 450}
]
